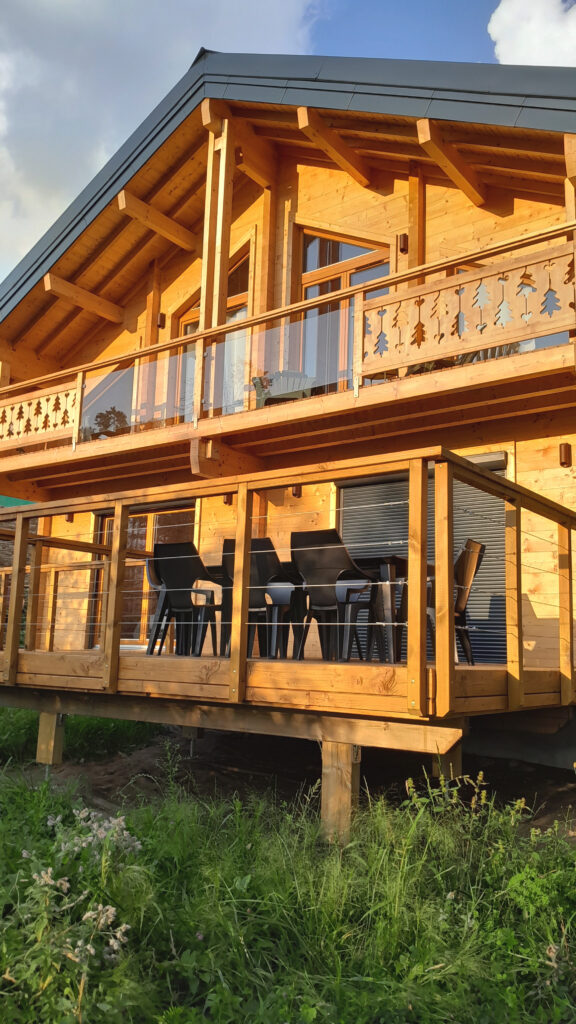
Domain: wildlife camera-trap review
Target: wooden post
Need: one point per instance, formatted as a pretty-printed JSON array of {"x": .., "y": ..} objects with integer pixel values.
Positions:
[
  {"x": 513, "y": 576},
  {"x": 240, "y": 594},
  {"x": 416, "y": 218},
  {"x": 77, "y": 425},
  {"x": 14, "y": 627},
  {"x": 4, "y": 373},
  {"x": 358, "y": 344},
  {"x": 340, "y": 788},
  {"x": 417, "y": 566},
  {"x": 50, "y": 745},
  {"x": 153, "y": 297},
  {"x": 112, "y": 623},
  {"x": 210, "y": 209},
  {"x": 444, "y": 586},
  {"x": 565, "y": 614},
  {"x": 449, "y": 764},
  {"x": 33, "y": 597},
  {"x": 51, "y": 605}
]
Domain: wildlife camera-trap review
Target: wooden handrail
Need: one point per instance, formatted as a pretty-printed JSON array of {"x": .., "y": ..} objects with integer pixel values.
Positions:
[{"x": 422, "y": 270}]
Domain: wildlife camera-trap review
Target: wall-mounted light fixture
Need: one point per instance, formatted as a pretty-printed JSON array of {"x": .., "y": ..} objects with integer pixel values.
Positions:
[
  {"x": 228, "y": 499},
  {"x": 565, "y": 454},
  {"x": 296, "y": 490},
  {"x": 403, "y": 242},
  {"x": 69, "y": 517},
  {"x": 161, "y": 320}
]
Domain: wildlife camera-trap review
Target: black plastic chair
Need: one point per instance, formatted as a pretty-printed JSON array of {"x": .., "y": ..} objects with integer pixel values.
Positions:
[
  {"x": 338, "y": 590},
  {"x": 177, "y": 568},
  {"x": 269, "y": 578}
]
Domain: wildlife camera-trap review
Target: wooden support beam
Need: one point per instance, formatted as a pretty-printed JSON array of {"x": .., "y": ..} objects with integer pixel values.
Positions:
[
  {"x": 213, "y": 458},
  {"x": 240, "y": 594},
  {"x": 50, "y": 745},
  {"x": 314, "y": 128},
  {"x": 207, "y": 278},
  {"x": 513, "y": 577},
  {"x": 112, "y": 622},
  {"x": 417, "y": 565},
  {"x": 82, "y": 297},
  {"x": 221, "y": 240},
  {"x": 448, "y": 158},
  {"x": 157, "y": 222},
  {"x": 33, "y": 597},
  {"x": 444, "y": 585},
  {"x": 254, "y": 156},
  {"x": 340, "y": 788},
  {"x": 416, "y": 217},
  {"x": 566, "y": 615},
  {"x": 14, "y": 626},
  {"x": 153, "y": 298},
  {"x": 570, "y": 157},
  {"x": 4, "y": 373}
]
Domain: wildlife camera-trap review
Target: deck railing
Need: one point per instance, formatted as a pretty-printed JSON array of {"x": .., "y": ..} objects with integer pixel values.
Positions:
[
  {"x": 70, "y": 602},
  {"x": 434, "y": 316}
]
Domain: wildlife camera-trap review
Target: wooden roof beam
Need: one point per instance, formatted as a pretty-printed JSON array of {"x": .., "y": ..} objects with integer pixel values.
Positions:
[
  {"x": 255, "y": 156},
  {"x": 450, "y": 161},
  {"x": 315, "y": 129},
  {"x": 157, "y": 222},
  {"x": 570, "y": 157},
  {"x": 82, "y": 297}
]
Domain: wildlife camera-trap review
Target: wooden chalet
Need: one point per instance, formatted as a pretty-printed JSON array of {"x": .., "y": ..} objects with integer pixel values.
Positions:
[{"x": 307, "y": 294}]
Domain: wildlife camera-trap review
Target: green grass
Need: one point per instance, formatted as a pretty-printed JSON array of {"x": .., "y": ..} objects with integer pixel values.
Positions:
[
  {"x": 86, "y": 738},
  {"x": 438, "y": 911}
]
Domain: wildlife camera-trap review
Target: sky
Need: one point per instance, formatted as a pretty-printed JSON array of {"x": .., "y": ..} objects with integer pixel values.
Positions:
[{"x": 77, "y": 77}]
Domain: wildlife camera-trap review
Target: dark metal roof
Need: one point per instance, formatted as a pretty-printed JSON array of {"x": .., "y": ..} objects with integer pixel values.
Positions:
[{"x": 538, "y": 98}]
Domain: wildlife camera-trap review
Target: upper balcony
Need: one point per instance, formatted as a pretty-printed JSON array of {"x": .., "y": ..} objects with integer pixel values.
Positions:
[{"x": 492, "y": 325}]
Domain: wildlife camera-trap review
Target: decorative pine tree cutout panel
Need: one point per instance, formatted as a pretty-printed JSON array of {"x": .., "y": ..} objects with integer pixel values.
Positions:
[{"x": 513, "y": 300}]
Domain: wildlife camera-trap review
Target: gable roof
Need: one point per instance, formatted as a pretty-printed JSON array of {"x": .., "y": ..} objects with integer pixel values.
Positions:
[{"x": 538, "y": 98}]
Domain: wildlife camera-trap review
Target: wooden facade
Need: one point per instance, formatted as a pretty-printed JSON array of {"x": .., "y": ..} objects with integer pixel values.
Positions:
[{"x": 282, "y": 307}]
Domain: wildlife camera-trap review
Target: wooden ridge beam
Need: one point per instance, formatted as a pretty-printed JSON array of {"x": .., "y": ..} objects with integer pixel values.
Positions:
[
  {"x": 157, "y": 222},
  {"x": 314, "y": 128},
  {"x": 254, "y": 155},
  {"x": 210, "y": 458},
  {"x": 450, "y": 161},
  {"x": 82, "y": 297}
]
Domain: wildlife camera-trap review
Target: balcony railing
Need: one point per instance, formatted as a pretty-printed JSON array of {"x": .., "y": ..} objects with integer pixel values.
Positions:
[
  {"x": 519, "y": 295},
  {"x": 77, "y": 612}
]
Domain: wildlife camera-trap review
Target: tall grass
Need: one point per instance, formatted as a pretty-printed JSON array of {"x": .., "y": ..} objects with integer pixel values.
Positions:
[
  {"x": 86, "y": 737},
  {"x": 439, "y": 910}
]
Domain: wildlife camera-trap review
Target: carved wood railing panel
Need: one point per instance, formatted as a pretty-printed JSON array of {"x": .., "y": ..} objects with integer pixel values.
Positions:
[
  {"x": 42, "y": 416},
  {"x": 515, "y": 300}
]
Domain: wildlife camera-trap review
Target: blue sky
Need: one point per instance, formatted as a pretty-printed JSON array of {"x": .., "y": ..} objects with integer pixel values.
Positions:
[{"x": 414, "y": 29}]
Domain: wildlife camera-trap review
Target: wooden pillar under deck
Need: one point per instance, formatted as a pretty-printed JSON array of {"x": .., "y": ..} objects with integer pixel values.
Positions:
[
  {"x": 50, "y": 746},
  {"x": 340, "y": 787},
  {"x": 449, "y": 764}
]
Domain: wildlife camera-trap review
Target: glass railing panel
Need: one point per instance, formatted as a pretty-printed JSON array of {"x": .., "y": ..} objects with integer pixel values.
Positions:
[
  {"x": 282, "y": 361},
  {"x": 155, "y": 391}
]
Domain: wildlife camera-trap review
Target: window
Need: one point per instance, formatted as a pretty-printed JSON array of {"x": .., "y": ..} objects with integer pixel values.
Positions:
[
  {"x": 324, "y": 350},
  {"x": 237, "y": 304}
]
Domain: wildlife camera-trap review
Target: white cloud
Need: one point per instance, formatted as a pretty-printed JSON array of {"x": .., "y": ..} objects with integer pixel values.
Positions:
[
  {"x": 76, "y": 78},
  {"x": 535, "y": 32}
]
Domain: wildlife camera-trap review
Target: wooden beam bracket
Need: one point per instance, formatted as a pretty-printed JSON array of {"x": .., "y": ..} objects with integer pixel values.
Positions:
[
  {"x": 450, "y": 161},
  {"x": 157, "y": 221},
  {"x": 314, "y": 128},
  {"x": 82, "y": 297}
]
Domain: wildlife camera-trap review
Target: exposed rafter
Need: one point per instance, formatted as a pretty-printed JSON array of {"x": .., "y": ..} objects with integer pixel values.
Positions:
[
  {"x": 315, "y": 129},
  {"x": 82, "y": 297},
  {"x": 444, "y": 154},
  {"x": 157, "y": 222},
  {"x": 255, "y": 157}
]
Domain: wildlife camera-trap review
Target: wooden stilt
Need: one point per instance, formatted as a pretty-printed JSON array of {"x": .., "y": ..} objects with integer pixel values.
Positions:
[
  {"x": 340, "y": 787},
  {"x": 449, "y": 764},
  {"x": 50, "y": 745}
]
